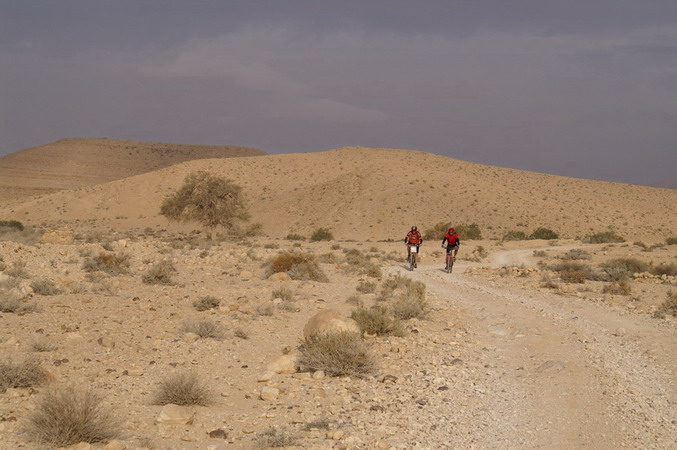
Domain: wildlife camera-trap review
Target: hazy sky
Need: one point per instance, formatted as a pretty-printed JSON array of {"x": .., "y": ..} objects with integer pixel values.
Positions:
[{"x": 584, "y": 88}]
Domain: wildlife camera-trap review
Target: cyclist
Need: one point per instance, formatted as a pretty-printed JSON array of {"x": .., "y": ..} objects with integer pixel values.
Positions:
[
  {"x": 452, "y": 242},
  {"x": 413, "y": 238}
]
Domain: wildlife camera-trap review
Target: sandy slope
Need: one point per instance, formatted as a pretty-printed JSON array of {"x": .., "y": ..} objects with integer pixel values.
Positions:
[
  {"x": 75, "y": 162},
  {"x": 362, "y": 193}
]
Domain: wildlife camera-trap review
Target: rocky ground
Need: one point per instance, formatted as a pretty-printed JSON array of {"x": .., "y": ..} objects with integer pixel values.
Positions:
[{"x": 503, "y": 359}]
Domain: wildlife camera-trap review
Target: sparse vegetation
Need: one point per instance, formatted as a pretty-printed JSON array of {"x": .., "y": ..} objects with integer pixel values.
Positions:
[
  {"x": 299, "y": 266},
  {"x": 337, "y": 354},
  {"x": 669, "y": 269},
  {"x": 160, "y": 273},
  {"x": 108, "y": 262},
  {"x": 377, "y": 320},
  {"x": 672, "y": 240},
  {"x": 437, "y": 232},
  {"x": 617, "y": 288},
  {"x": 203, "y": 328},
  {"x": 276, "y": 437},
  {"x": 43, "y": 345},
  {"x": 514, "y": 235},
  {"x": 13, "y": 304},
  {"x": 11, "y": 225},
  {"x": 366, "y": 287},
  {"x": 21, "y": 375},
  {"x": 283, "y": 293},
  {"x": 668, "y": 307},
  {"x": 543, "y": 233},
  {"x": 45, "y": 287},
  {"x": 66, "y": 415},
  {"x": 622, "y": 268},
  {"x": 469, "y": 231},
  {"x": 17, "y": 270},
  {"x": 240, "y": 333},
  {"x": 207, "y": 199},
  {"x": 265, "y": 310},
  {"x": 576, "y": 254},
  {"x": 182, "y": 388},
  {"x": 207, "y": 302},
  {"x": 604, "y": 237},
  {"x": 322, "y": 234},
  {"x": 295, "y": 237},
  {"x": 573, "y": 272}
]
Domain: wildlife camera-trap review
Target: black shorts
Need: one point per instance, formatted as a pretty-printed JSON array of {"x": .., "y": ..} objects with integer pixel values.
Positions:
[{"x": 451, "y": 247}]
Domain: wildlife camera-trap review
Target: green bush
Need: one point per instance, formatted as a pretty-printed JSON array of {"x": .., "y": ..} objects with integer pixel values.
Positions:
[
  {"x": 438, "y": 231},
  {"x": 672, "y": 240},
  {"x": 604, "y": 237},
  {"x": 514, "y": 235},
  {"x": 295, "y": 237},
  {"x": 543, "y": 233},
  {"x": 321, "y": 234},
  {"x": 469, "y": 231},
  {"x": 12, "y": 224}
]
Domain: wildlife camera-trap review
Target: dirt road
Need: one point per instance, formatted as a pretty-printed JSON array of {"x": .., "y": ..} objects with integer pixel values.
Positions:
[{"x": 562, "y": 373}]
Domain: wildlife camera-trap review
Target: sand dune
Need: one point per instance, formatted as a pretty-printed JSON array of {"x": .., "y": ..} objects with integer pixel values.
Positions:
[
  {"x": 76, "y": 162},
  {"x": 361, "y": 193}
]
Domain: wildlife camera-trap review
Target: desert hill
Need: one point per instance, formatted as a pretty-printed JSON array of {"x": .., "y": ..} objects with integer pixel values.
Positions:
[
  {"x": 76, "y": 162},
  {"x": 361, "y": 193}
]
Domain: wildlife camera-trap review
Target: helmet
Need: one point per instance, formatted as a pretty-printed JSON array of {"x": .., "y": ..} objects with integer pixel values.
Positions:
[
  {"x": 414, "y": 228},
  {"x": 452, "y": 230}
]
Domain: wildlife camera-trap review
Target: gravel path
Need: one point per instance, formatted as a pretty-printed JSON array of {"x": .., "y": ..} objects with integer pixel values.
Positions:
[{"x": 559, "y": 372}]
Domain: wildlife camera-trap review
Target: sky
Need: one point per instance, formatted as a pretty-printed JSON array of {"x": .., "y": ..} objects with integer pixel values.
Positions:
[{"x": 582, "y": 88}]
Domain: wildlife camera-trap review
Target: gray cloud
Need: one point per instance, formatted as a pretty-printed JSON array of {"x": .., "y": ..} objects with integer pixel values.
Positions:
[{"x": 579, "y": 89}]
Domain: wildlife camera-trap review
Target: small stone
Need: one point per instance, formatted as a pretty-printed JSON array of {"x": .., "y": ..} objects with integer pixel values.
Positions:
[
  {"x": 175, "y": 415},
  {"x": 266, "y": 376},
  {"x": 219, "y": 433},
  {"x": 269, "y": 393},
  {"x": 190, "y": 337},
  {"x": 318, "y": 375},
  {"x": 246, "y": 275},
  {"x": 285, "y": 364},
  {"x": 279, "y": 276}
]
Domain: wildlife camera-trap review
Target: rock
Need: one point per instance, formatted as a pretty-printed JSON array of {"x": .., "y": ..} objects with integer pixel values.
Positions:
[
  {"x": 115, "y": 445},
  {"x": 318, "y": 375},
  {"x": 175, "y": 415},
  {"x": 328, "y": 321},
  {"x": 279, "y": 276},
  {"x": 57, "y": 237},
  {"x": 219, "y": 433},
  {"x": 191, "y": 337},
  {"x": 269, "y": 393},
  {"x": 246, "y": 275},
  {"x": 285, "y": 364},
  {"x": 266, "y": 376},
  {"x": 106, "y": 341}
]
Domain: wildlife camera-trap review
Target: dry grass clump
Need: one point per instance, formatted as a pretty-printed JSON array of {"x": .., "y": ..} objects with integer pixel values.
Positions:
[
  {"x": 366, "y": 287},
  {"x": 299, "y": 266},
  {"x": 43, "y": 345},
  {"x": 276, "y": 437},
  {"x": 159, "y": 273},
  {"x": 203, "y": 328},
  {"x": 548, "y": 283},
  {"x": 19, "y": 375},
  {"x": 669, "y": 269},
  {"x": 295, "y": 237},
  {"x": 17, "y": 270},
  {"x": 573, "y": 272},
  {"x": 668, "y": 307},
  {"x": 617, "y": 288},
  {"x": 356, "y": 261},
  {"x": 604, "y": 237},
  {"x": 12, "y": 304},
  {"x": 65, "y": 415},
  {"x": 207, "y": 302},
  {"x": 576, "y": 254},
  {"x": 182, "y": 388},
  {"x": 377, "y": 320},
  {"x": 240, "y": 333},
  {"x": 265, "y": 310},
  {"x": 45, "y": 287},
  {"x": 337, "y": 354},
  {"x": 622, "y": 268},
  {"x": 283, "y": 293},
  {"x": 109, "y": 262},
  {"x": 407, "y": 297},
  {"x": 410, "y": 306}
]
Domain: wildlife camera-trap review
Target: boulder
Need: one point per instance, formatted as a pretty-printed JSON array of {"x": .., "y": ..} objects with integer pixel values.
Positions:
[
  {"x": 328, "y": 321},
  {"x": 285, "y": 364},
  {"x": 175, "y": 415},
  {"x": 269, "y": 393}
]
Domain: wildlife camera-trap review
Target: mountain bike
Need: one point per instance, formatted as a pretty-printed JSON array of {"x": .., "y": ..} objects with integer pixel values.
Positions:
[{"x": 450, "y": 263}]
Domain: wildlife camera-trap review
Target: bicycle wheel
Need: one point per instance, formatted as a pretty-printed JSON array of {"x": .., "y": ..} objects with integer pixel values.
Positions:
[{"x": 412, "y": 259}]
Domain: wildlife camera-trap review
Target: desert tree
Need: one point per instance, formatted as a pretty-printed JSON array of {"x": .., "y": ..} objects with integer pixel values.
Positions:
[{"x": 207, "y": 199}]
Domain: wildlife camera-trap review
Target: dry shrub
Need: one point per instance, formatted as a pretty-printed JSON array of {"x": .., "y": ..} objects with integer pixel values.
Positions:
[
  {"x": 669, "y": 269},
  {"x": 45, "y": 287},
  {"x": 265, "y": 310},
  {"x": 409, "y": 306},
  {"x": 356, "y": 261},
  {"x": 207, "y": 302},
  {"x": 295, "y": 237},
  {"x": 407, "y": 297},
  {"x": 604, "y": 237},
  {"x": 283, "y": 293},
  {"x": 322, "y": 234},
  {"x": 65, "y": 415},
  {"x": 672, "y": 240},
  {"x": 668, "y": 307},
  {"x": 12, "y": 304},
  {"x": 160, "y": 273},
  {"x": 337, "y": 354},
  {"x": 203, "y": 328},
  {"x": 43, "y": 345},
  {"x": 437, "y": 231},
  {"x": 19, "y": 375},
  {"x": 366, "y": 287},
  {"x": 576, "y": 254},
  {"x": 548, "y": 283},
  {"x": 182, "y": 388},
  {"x": 299, "y": 266},
  {"x": 377, "y": 320},
  {"x": 543, "y": 233},
  {"x": 276, "y": 437},
  {"x": 514, "y": 235},
  {"x": 573, "y": 272},
  {"x": 617, "y": 288},
  {"x": 17, "y": 270},
  {"x": 622, "y": 268},
  {"x": 240, "y": 333},
  {"x": 109, "y": 262}
]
